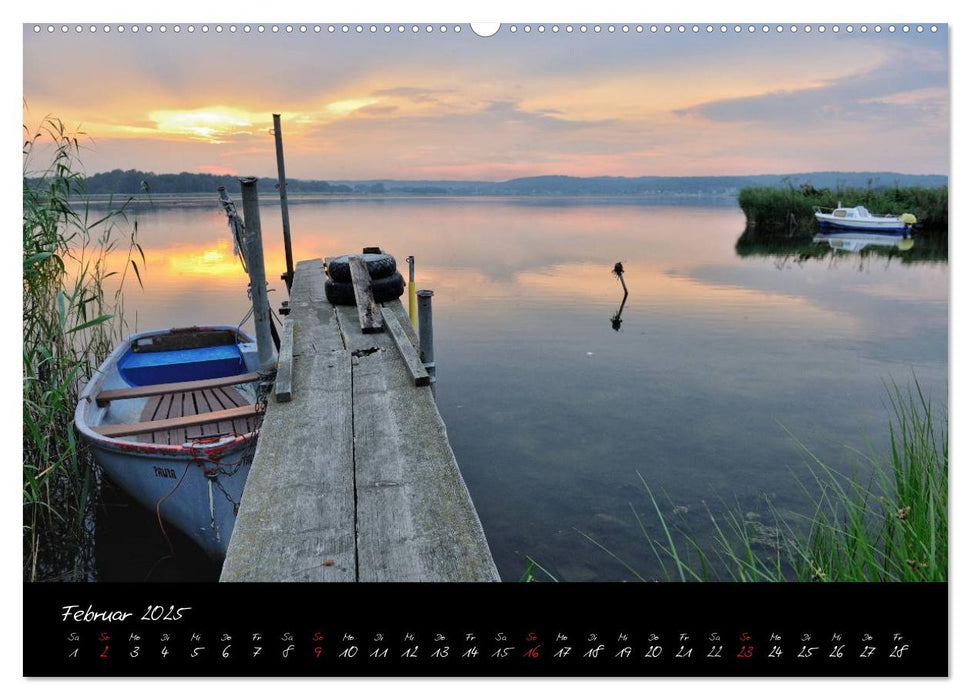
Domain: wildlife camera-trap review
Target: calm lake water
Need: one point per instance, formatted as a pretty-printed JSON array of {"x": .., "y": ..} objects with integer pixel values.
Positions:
[{"x": 719, "y": 366}]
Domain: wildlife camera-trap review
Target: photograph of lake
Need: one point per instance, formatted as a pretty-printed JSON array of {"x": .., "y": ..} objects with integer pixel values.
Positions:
[{"x": 691, "y": 303}]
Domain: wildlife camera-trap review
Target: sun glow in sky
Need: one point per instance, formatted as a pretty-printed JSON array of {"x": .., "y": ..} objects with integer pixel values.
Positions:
[
  {"x": 456, "y": 106},
  {"x": 212, "y": 124}
]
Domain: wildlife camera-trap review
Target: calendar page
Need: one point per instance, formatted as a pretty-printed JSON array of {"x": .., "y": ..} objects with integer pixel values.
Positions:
[{"x": 524, "y": 349}]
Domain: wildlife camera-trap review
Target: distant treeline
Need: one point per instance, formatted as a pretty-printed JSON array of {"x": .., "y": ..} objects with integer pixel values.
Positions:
[
  {"x": 783, "y": 212},
  {"x": 118, "y": 182},
  {"x": 139, "y": 182},
  {"x": 650, "y": 185}
]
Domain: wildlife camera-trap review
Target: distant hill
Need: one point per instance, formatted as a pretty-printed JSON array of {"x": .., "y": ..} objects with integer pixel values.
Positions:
[
  {"x": 137, "y": 181},
  {"x": 552, "y": 185}
]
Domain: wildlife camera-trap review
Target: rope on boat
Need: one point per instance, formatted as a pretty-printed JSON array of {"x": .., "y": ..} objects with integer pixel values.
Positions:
[
  {"x": 212, "y": 469},
  {"x": 212, "y": 507},
  {"x": 212, "y": 473},
  {"x": 246, "y": 317},
  {"x": 234, "y": 504},
  {"x": 236, "y": 227},
  {"x": 158, "y": 508}
]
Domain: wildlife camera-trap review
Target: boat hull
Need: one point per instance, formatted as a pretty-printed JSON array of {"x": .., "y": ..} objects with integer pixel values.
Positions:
[
  {"x": 194, "y": 483},
  {"x": 198, "y": 492},
  {"x": 893, "y": 227}
]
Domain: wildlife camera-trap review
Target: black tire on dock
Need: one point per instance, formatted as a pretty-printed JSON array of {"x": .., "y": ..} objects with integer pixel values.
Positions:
[
  {"x": 379, "y": 265},
  {"x": 384, "y": 289}
]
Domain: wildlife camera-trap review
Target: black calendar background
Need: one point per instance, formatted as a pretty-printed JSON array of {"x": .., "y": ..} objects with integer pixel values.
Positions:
[{"x": 455, "y": 630}]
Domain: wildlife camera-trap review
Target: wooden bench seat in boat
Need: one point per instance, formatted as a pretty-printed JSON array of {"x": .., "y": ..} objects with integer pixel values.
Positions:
[
  {"x": 184, "y": 416},
  {"x": 139, "y": 392}
]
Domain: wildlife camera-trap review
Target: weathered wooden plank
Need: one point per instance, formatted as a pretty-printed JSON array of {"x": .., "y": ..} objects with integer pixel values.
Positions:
[
  {"x": 156, "y": 407},
  {"x": 229, "y": 397},
  {"x": 408, "y": 353},
  {"x": 174, "y": 423},
  {"x": 296, "y": 519},
  {"x": 415, "y": 519},
  {"x": 367, "y": 310},
  {"x": 176, "y": 410},
  {"x": 404, "y": 320},
  {"x": 284, "y": 373},
  {"x": 137, "y": 392},
  {"x": 216, "y": 402},
  {"x": 313, "y": 280},
  {"x": 197, "y": 404},
  {"x": 148, "y": 414}
]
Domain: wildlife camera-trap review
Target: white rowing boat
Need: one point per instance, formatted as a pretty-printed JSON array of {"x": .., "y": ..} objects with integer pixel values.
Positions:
[{"x": 172, "y": 417}]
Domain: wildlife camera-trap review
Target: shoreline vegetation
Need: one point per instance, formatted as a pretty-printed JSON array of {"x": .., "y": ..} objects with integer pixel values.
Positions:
[
  {"x": 70, "y": 323},
  {"x": 270, "y": 196},
  {"x": 885, "y": 520},
  {"x": 780, "y": 221},
  {"x": 137, "y": 182},
  {"x": 787, "y": 212}
]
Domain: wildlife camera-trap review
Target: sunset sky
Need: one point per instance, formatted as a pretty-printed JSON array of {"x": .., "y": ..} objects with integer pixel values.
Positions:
[{"x": 459, "y": 106}]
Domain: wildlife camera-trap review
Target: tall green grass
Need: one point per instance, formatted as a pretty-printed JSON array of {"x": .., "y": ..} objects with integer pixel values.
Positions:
[
  {"x": 70, "y": 323},
  {"x": 884, "y": 521},
  {"x": 891, "y": 525}
]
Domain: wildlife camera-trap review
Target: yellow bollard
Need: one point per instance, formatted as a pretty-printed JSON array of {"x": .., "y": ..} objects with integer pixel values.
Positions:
[{"x": 412, "y": 304}]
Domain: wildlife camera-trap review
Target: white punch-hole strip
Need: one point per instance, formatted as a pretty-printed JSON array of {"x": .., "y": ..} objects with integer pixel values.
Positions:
[{"x": 486, "y": 29}]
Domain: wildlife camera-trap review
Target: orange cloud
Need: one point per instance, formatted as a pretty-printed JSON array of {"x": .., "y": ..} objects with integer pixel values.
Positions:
[{"x": 411, "y": 113}]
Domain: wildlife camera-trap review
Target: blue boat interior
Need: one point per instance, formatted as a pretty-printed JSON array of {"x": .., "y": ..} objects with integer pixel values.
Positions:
[{"x": 163, "y": 367}]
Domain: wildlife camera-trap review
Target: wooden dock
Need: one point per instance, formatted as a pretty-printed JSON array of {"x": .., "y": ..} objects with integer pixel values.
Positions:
[{"x": 353, "y": 477}]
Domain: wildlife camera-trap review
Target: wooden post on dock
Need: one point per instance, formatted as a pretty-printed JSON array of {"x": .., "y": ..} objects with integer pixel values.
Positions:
[
  {"x": 426, "y": 333},
  {"x": 284, "y": 207},
  {"x": 257, "y": 273}
]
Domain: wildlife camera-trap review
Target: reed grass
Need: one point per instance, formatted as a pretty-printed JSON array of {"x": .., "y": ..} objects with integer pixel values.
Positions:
[
  {"x": 70, "y": 323},
  {"x": 892, "y": 524},
  {"x": 884, "y": 521},
  {"x": 529, "y": 574}
]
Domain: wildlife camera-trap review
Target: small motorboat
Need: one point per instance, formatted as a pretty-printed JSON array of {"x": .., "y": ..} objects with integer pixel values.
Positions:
[
  {"x": 172, "y": 418},
  {"x": 859, "y": 219}
]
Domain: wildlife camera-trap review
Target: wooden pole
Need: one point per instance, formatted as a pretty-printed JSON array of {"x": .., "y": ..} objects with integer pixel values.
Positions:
[
  {"x": 426, "y": 333},
  {"x": 284, "y": 376},
  {"x": 284, "y": 208},
  {"x": 257, "y": 273}
]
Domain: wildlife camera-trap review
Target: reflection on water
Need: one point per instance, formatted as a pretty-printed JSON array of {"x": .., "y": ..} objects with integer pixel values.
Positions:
[
  {"x": 919, "y": 249},
  {"x": 858, "y": 242},
  {"x": 615, "y": 320},
  {"x": 553, "y": 420}
]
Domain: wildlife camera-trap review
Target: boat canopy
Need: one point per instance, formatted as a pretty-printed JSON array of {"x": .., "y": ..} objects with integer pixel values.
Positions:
[{"x": 859, "y": 212}]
